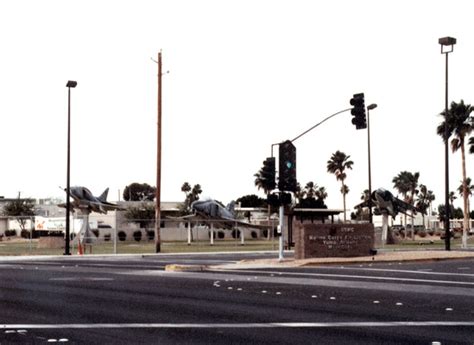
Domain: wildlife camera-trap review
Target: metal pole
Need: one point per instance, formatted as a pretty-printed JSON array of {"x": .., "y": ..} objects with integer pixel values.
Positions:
[
  {"x": 280, "y": 240},
  {"x": 370, "y": 173},
  {"x": 158, "y": 166},
  {"x": 446, "y": 165},
  {"x": 68, "y": 173}
]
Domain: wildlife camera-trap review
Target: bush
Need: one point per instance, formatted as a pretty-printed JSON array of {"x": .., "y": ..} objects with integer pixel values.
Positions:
[
  {"x": 122, "y": 235},
  {"x": 150, "y": 235},
  {"x": 235, "y": 233},
  {"x": 9, "y": 233},
  {"x": 137, "y": 235},
  {"x": 254, "y": 234},
  {"x": 421, "y": 233},
  {"x": 220, "y": 235}
]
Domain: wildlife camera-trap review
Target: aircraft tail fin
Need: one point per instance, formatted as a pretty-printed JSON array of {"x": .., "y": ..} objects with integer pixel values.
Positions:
[
  {"x": 231, "y": 207},
  {"x": 103, "y": 196}
]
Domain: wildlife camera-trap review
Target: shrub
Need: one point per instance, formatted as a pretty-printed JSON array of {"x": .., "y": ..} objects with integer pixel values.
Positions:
[
  {"x": 421, "y": 233},
  {"x": 220, "y": 235},
  {"x": 150, "y": 235},
  {"x": 9, "y": 233},
  {"x": 137, "y": 235},
  {"x": 122, "y": 235},
  {"x": 235, "y": 233},
  {"x": 254, "y": 234}
]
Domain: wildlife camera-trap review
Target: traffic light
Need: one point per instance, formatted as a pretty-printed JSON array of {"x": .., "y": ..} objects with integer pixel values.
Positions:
[
  {"x": 268, "y": 174},
  {"x": 359, "y": 120},
  {"x": 287, "y": 167}
]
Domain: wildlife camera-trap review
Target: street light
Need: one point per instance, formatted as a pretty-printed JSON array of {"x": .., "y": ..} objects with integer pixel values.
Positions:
[
  {"x": 447, "y": 46},
  {"x": 370, "y": 107},
  {"x": 70, "y": 84}
]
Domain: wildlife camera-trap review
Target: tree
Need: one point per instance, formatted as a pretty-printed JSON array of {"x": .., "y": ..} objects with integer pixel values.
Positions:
[
  {"x": 469, "y": 189},
  {"x": 143, "y": 215},
  {"x": 423, "y": 201},
  {"x": 192, "y": 194},
  {"x": 406, "y": 183},
  {"x": 251, "y": 200},
  {"x": 337, "y": 165},
  {"x": 20, "y": 209},
  {"x": 459, "y": 125},
  {"x": 139, "y": 192}
]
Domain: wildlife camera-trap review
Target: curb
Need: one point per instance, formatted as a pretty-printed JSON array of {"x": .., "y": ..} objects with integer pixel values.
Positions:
[{"x": 185, "y": 268}]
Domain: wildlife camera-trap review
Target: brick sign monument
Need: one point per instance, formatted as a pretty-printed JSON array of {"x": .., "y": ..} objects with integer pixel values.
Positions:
[{"x": 333, "y": 240}]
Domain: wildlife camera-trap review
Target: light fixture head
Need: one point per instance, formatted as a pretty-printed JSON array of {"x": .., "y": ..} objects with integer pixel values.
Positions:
[{"x": 71, "y": 83}]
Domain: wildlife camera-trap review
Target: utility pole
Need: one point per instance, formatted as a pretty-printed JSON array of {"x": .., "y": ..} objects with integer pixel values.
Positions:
[{"x": 158, "y": 166}]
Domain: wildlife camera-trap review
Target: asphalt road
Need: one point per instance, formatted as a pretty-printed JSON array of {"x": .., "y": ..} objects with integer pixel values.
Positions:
[{"x": 132, "y": 300}]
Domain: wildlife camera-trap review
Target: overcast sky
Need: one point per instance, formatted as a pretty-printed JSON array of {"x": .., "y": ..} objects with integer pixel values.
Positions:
[{"x": 242, "y": 76}]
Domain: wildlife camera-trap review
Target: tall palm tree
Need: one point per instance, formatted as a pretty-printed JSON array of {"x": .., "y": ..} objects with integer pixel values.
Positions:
[
  {"x": 430, "y": 197},
  {"x": 470, "y": 190},
  {"x": 400, "y": 183},
  {"x": 460, "y": 125},
  {"x": 337, "y": 165},
  {"x": 407, "y": 183},
  {"x": 423, "y": 201},
  {"x": 452, "y": 196},
  {"x": 260, "y": 183}
]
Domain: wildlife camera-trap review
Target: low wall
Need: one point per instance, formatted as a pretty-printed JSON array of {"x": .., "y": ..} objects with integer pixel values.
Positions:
[{"x": 333, "y": 240}]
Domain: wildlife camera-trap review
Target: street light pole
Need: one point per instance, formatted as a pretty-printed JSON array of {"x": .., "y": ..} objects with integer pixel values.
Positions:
[
  {"x": 446, "y": 42},
  {"x": 370, "y": 107},
  {"x": 158, "y": 166},
  {"x": 70, "y": 84}
]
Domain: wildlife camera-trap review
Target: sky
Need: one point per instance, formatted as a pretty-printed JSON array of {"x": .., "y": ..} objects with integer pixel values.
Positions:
[{"x": 243, "y": 75}]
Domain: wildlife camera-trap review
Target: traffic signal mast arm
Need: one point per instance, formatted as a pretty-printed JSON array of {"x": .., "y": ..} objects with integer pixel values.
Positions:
[{"x": 316, "y": 125}]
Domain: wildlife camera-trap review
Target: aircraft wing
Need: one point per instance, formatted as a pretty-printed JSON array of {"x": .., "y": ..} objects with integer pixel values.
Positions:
[
  {"x": 219, "y": 222},
  {"x": 364, "y": 204},
  {"x": 403, "y": 206}
]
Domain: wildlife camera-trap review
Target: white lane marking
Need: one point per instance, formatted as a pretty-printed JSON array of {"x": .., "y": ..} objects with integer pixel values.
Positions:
[
  {"x": 428, "y": 272},
  {"x": 431, "y": 281},
  {"x": 464, "y": 268},
  {"x": 368, "y": 324}
]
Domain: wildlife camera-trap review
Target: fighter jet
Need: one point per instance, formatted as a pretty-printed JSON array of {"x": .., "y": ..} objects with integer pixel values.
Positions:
[
  {"x": 220, "y": 216},
  {"x": 384, "y": 201},
  {"x": 85, "y": 201}
]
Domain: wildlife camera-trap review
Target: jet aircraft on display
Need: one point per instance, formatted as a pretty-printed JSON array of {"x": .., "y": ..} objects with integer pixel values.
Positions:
[
  {"x": 385, "y": 202},
  {"x": 84, "y": 200},
  {"x": 215, "y": 213}
]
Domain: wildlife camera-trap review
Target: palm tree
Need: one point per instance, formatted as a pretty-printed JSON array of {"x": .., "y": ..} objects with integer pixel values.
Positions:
[
  {"x": 452, "y": 197},
  {"x": 460, "y": 125},
  {"x": 260, "y": 183},
  {"x": 430, "y": 197},
  {"x": 423, "y": 201},
  {"x": 310, "y": 190},
  {"x": 407, "y": 184},
  {"x": 321, "y": 193},
  {"x": 400, "y": 183},
  {"x": 337, "y": 165},
  {"x": 470, "y": 189}
]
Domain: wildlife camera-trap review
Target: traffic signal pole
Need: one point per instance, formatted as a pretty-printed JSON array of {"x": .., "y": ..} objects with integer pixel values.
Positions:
[{"x": 319, "y": 123}]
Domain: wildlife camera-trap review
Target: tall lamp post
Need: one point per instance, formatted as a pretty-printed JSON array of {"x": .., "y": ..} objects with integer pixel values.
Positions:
[
  {"x": 70, "y": 84},
  {"x": 447, "y": 46},
  {"x": 370, "y": 107}
]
